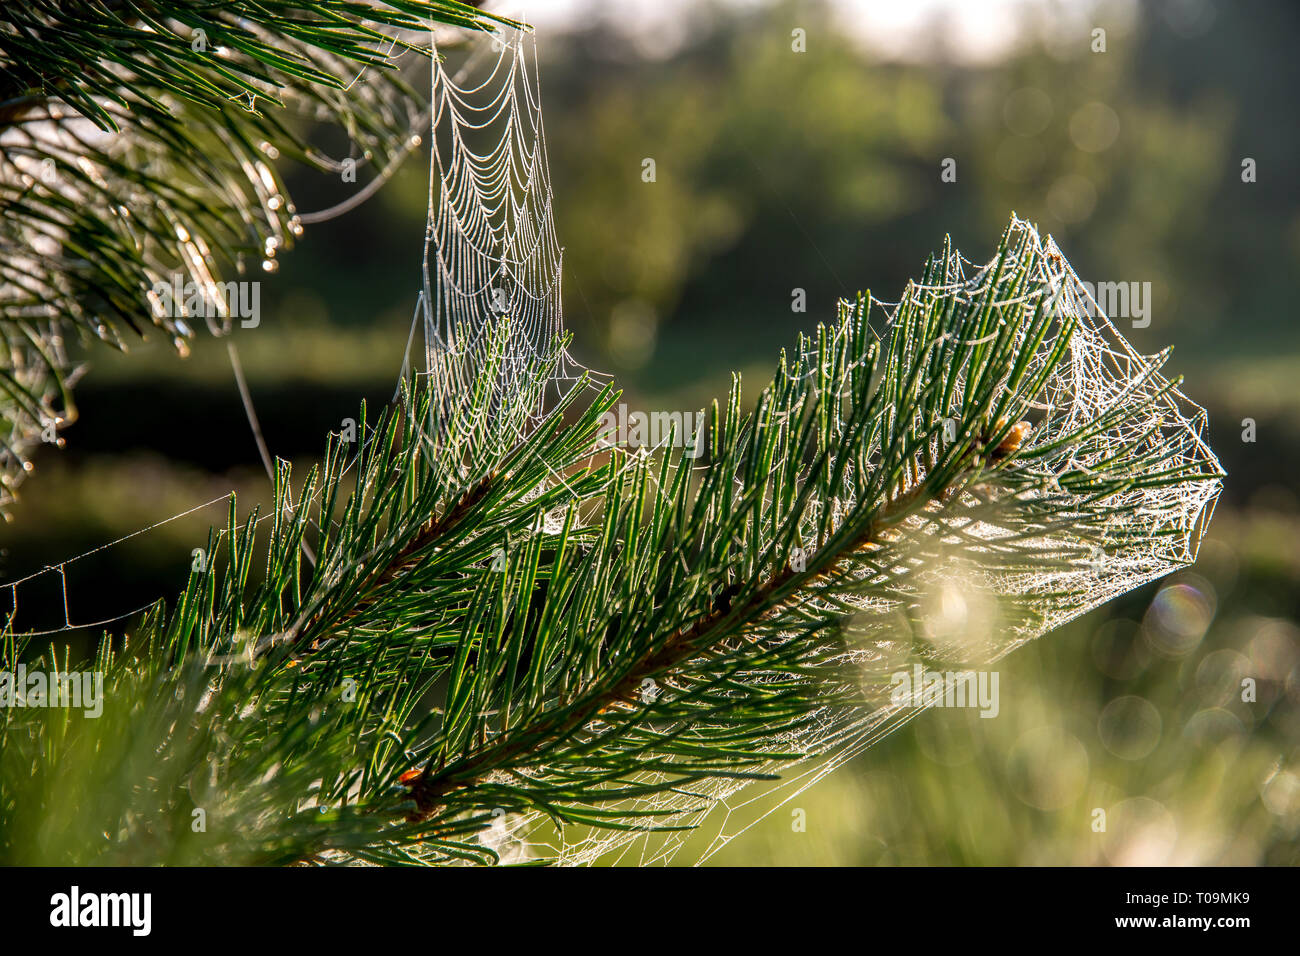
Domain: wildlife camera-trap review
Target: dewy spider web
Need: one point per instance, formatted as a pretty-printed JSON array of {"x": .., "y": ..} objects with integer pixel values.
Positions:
[
  {"x": 490, "y": 247},
  {"x": 1146, "y": 533}
]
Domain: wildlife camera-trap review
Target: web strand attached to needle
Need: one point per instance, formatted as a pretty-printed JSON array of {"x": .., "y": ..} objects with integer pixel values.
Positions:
[{"x": 60, "y": 569}]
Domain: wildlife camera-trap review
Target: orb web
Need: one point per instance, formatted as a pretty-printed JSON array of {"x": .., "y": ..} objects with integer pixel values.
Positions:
[{"x": 492, "y": 262}]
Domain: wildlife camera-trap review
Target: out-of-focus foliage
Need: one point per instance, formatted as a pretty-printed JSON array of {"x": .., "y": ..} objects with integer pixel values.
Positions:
[{"x": 778, "y": 170}]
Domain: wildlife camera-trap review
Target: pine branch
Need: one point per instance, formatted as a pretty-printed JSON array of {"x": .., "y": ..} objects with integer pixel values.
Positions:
[{"x": 677, "y": 629}]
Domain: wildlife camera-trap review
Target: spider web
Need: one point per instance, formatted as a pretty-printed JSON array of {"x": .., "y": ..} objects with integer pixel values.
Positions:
[
  {"x": 1147, "y": 533},
  {"x": 490, "y": 246}
]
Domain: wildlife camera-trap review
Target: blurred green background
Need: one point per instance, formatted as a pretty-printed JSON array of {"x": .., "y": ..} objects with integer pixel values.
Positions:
[{"x": 820, "y": 170}]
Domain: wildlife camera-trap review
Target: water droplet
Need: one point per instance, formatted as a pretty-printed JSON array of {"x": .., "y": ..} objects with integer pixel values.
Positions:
[
  {"x": 416, "y": 140},
  {"x": 271, "y": 151},
  {"x": 1130, "y": 727},
  {"x": 270, "y": 265},
  {"x": 274, "y": 203},
  {"x": 1140, "y": 832},
  {"x": 1179, "y": 616},
  {"x": 1281, "y": 794}
]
